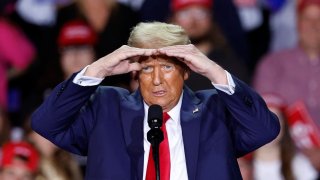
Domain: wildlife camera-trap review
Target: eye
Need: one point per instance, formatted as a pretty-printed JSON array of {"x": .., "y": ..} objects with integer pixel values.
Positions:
[
  {"x": 147, "y": 69},
  {"x": 167, "y": 67}
]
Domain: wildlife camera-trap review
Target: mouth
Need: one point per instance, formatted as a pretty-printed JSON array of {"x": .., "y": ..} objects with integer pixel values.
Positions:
[{"x": 159, "y": 93}]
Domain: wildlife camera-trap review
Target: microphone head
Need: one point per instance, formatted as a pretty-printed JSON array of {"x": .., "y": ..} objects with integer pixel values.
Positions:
[{"x": 155, "y": 116}]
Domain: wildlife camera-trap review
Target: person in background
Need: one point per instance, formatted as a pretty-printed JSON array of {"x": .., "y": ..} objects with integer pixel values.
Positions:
[
  {"x": 254, "y": 18},
  {"x": 4, "y": 127},
  {"x": 196, "y": 18},
  {"x": 19, "y": 161},
  {"x": 54, "y": 162},
  {"x": 225, "y": 16},
  {"x": 280, "y": 159},
  {"x": 76, "y": 42},
  {"x": 16, "y": 54},
  {"x": 292, "y": 75},
  {"x": 206, "y": 130},
  {"x": 110, "y": 20},
  {"x": 283, "y": 24}
]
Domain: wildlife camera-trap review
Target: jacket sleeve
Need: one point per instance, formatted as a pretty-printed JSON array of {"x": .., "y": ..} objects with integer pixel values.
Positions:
[
  {"x": 66, "y": 117},
  {"x": 251, "y": 123}
]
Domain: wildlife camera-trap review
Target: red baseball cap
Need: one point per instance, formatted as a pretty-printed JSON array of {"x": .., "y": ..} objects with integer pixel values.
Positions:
[
  {"x": 304, "y": 3},
  {"x": 76, "y": 32},
  {"x": 180, "y": 4},
  {"x": 12, "y": 150}
]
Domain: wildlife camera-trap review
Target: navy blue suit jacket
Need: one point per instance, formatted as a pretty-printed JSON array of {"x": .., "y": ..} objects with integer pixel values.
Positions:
[{"x": 106, "y": 123}]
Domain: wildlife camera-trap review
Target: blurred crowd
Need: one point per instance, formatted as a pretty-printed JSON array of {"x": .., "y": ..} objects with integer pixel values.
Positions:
[{"x": 273, "y": 45}]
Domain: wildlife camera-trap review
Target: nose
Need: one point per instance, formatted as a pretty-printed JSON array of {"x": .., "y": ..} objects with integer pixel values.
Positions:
[{"x": 157, "y": 76}]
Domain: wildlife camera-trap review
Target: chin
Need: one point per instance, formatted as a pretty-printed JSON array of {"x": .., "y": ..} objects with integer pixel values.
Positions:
[{"x": 161, "y": 103}]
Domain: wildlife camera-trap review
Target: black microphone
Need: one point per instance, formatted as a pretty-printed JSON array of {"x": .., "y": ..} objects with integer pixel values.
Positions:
[
  {"x": 155, "y": 116},
  {"x": 155, "y": 134}
]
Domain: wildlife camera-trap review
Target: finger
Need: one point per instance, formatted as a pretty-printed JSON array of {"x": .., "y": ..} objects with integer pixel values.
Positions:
[
  {"x": 136, "y": 52},
  {"x": 149, "y": 52},
  {"x": 189, "y": 48},
  {"x": 129, "y": 55},
  {"x": 182, "y": 56},
  {"x": 143, "y": 51},
  {"x": 173, "y": 50},
  {"x": 134, "y": 67},
  {"x": 134, "y": 75}
]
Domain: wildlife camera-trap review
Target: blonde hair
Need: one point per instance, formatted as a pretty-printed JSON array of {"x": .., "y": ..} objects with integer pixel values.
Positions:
[{"x": 157, "y": 35}]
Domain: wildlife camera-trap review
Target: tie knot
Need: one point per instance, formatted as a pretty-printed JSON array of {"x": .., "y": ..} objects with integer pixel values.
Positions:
[{"x": 166, "y": 117}]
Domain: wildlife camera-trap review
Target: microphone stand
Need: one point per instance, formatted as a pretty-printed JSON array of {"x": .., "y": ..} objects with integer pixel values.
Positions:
[
  {"x": 155, "y": 150},
  {"x": 155, "y": 136}
]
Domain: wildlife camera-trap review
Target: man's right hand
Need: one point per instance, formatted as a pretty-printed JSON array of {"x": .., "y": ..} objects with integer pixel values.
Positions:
[{"x": 119, "y": 61}]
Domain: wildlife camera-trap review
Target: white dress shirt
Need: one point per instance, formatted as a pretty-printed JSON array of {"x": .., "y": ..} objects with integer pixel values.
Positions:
[
  {"x": 177, "y": 158},
  {"x": 178, "y": 165}
]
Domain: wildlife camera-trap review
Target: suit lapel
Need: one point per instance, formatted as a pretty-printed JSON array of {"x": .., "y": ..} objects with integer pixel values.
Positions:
[
  {"x": 190, "y": 124},
  {"x": 132, "y": 115}
]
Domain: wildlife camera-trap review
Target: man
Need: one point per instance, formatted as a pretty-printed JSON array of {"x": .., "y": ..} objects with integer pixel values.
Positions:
[
  {"x": 207, "y": 130},
  {"x": 19, "y": 161}
]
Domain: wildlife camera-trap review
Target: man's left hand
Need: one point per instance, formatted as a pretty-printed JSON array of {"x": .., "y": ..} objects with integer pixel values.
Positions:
[{"x": 197, "y": 62}]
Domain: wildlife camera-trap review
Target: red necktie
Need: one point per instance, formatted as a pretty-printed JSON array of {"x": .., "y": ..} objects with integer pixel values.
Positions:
[{"x": 164, "y": 156}]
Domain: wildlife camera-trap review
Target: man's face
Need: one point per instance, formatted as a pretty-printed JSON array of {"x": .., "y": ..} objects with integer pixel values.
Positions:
[
  {"x": 309, "y": 26},
  {"x": 15, "y": 172},
  {"x": 196, "y": 20},
  {"x": 161, "y": 81},
  {"x": 74, "y": 58}
]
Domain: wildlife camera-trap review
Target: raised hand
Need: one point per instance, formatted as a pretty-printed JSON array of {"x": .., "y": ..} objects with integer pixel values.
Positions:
[
  {"x": 120, "y": 61},
  {"x": 196, "y": 61}
]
